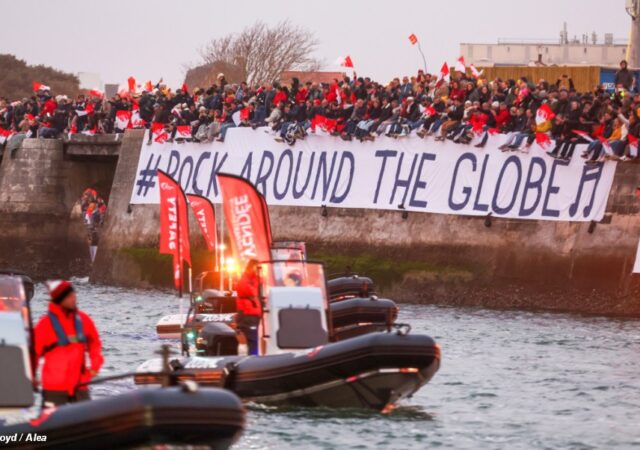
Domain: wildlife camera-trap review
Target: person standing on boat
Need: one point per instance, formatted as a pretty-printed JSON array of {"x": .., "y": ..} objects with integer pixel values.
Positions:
[
  {"x": 62, "y": 337},
  {"x": 248, "y": 305}
]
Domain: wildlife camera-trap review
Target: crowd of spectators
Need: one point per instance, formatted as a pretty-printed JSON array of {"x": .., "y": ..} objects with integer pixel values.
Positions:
[{"x": 464, "y": 109}]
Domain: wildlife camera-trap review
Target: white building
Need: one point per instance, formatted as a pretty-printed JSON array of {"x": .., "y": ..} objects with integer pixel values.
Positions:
[{"x": 561, "y": 52}]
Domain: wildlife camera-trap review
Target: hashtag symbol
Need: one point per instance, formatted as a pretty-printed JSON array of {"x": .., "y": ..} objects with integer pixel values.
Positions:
[{"x": 147, "y": 176}]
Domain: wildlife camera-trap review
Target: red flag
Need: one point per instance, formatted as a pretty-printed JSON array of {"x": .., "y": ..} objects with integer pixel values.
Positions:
[
  {"x": 327, "y": 125},
  {"x": 633, "y": 145},
  {"x": 244, "y": 211},
  {"x": 123, "y": 119},
  {"x": 542, "y": 139},
  {"x": 183, "y": 131},
  {"x": 185, "y": 88},
  {"x": 206, "y": 217},
  {"x": 544, "y": 114},
  {"x": 444, "y": 74},
  {"x": 345, "y": 61},
  {"x": 460, "y": 65},
  {"x": 148, "y": 86},
  {"x": 96, "y": 93},
  {"x": 475, "y": 72},
  {"x": 132, "y": 84},
  {"x": 584, "y": 135},
  {"x": 4, "y": 135},
  {"x": 413, "y": 39},
  {"x": 174, "y": 225},
  {"x": 160, "y": 135},
  {"x": 39, "y": 87}
]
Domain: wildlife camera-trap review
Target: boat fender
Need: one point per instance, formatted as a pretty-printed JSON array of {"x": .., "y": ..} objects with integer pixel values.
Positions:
[{"x": 228, "y": 375}]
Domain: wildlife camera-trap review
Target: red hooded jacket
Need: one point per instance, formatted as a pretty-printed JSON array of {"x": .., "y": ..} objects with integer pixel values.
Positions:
[
  {"x": 64, "y": 366},
  {"x": 247, "y": 292}
]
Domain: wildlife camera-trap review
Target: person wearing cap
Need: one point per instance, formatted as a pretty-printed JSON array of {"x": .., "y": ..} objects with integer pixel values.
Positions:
[
  {"x": 248, "y": 305},
  {"x": 63, "y": 337}
]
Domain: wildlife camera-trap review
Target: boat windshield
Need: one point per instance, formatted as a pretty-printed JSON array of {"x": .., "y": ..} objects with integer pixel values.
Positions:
[
  {"x": 282, "y": 249},
  {"x": 12, "y": 297},
  {"x": 291, "y": 274}
]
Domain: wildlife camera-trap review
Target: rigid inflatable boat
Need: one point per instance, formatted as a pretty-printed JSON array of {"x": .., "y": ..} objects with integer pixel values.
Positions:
[
  {"x": 297, "y": 364},
  {"x": 188, "y": 415},
  {"x": 169, "y": 416}
]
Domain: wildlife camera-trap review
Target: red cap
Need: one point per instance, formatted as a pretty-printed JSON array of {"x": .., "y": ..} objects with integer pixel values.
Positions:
[{"x": 59, "y": 289}]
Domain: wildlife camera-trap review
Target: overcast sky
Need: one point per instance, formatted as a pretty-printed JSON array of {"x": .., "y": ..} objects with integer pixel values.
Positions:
[{"x": 157, "y": 38}]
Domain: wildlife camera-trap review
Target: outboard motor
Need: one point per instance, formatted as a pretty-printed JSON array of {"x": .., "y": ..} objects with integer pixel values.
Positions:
[{"x": 217, "y": 339}]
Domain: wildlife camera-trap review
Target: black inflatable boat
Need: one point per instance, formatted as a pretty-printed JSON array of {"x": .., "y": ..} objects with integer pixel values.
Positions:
[
  {"x": 169, "y": 416},
  {"x": 178, "y": 415},
  {"x": 371, "y": 371}
]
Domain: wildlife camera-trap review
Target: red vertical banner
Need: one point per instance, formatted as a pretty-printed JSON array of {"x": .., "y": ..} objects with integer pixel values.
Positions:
[
  {"x": 206, "y": 217},
  {"x": 174, "y": 225},
  {"x": 247, "y": 219}
]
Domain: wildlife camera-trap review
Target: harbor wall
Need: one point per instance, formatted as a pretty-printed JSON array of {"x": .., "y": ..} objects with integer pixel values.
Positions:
[{"x": 427, "y": 258}]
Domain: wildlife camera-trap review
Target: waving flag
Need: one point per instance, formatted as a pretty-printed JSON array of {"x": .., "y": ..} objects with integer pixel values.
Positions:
[
  {"x": 39, "y": 87},
  {"x": 543, "y": 140},
  {"x": 132, "y": 84},
  {"x": 160, "y": 135},
  {"x": 444, "y": 75},
  {"x": 345, "y": 61},
  {"x": 633, "y": 145},
  {"x": 174, "y": 225},
  {"x": 475, "y": 71},
  {"x": 123, "y": 118},
  {"x": 326, "y": 125},
  {"x": 413, "y": 39},
  {"x": 460, "y": 65},
  {"x": 544, "y": 114},
  {"x": 136, "y": 120},
  {"x": 185, "y": 88},
  {"x": 4, "y": 135},
  {"x": 244, "y": 210},
  {"x": 206, "y": 217},
  {"x": 605, "y": 145},
  {"x": 584, "y": 135},
  {"x": 96, "y": 93},
  {"x": 183, "y": 131},
  {"x": 148, "y": 86}
]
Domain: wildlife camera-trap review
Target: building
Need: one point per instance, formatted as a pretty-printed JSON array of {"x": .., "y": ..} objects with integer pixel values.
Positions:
[{"x": 562, "y": 52}]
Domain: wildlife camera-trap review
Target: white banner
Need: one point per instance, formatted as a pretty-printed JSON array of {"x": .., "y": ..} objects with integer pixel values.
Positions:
[{"x": 411, "y": 173}]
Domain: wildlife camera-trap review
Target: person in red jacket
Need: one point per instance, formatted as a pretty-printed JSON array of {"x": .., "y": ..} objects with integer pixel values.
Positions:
[
  {"x": 62, "y": 338},
  {"x": 248, "y": 305}
]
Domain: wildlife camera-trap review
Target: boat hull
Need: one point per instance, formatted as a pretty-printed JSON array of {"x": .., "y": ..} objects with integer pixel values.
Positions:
[{"x": 370, "y": 371}]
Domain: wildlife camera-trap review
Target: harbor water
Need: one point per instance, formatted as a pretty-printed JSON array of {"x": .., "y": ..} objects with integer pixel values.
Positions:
[{"x": 508, "y": 380}]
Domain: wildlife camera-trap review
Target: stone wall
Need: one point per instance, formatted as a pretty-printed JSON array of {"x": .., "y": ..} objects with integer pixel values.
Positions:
[
  {"x": 39, "y": 187},
  {"x": 456, "y": 260}
]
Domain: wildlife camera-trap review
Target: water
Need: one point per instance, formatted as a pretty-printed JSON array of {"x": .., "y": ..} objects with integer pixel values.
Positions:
[{"x": 509, "y": 380}]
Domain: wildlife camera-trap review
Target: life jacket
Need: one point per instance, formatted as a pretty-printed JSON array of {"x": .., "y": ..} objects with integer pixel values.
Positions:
[{"x": 63, "y": 338}]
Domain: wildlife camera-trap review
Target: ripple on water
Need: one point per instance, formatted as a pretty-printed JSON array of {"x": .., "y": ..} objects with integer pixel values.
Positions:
[{"x": 509, "y": 380}]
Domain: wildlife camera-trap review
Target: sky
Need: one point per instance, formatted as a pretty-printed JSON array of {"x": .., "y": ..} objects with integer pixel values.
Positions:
[{"x": 159, "y": 38}]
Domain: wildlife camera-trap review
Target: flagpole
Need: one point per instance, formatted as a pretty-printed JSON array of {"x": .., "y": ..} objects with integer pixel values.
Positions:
[
  {"x": 424, "y": 60},
  {"x": 179, "y": 254}
]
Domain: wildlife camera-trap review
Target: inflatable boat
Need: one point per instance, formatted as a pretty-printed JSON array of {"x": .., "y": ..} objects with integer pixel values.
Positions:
[
  {"x": 168, "y": 416},
  {"x": 186, "y": 415},
  {"x": 354, "y": 309},
  {"x": 297, "y": 364}
]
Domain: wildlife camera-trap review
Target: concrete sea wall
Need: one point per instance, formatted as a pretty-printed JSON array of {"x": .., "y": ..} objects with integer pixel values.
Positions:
[{"x": 427, "y": 258}]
